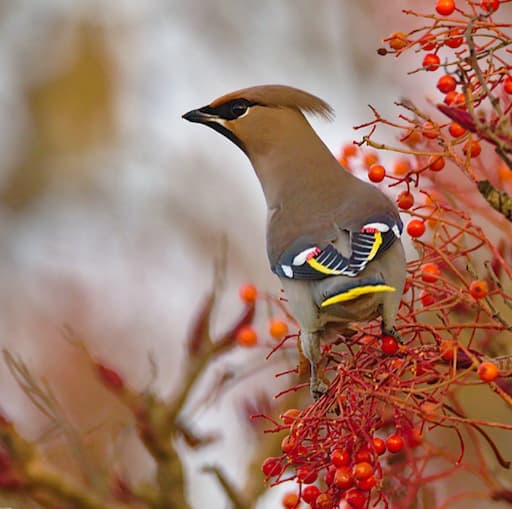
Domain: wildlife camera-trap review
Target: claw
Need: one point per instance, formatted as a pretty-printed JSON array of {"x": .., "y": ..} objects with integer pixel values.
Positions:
[{"x": 393, "y": 333}]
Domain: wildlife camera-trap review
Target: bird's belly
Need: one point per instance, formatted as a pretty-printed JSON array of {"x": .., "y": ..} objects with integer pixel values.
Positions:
[{"x": 363, "y": 308}]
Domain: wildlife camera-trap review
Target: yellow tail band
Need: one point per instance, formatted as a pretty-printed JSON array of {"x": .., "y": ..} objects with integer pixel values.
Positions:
[{"x": 353, "y": 293}]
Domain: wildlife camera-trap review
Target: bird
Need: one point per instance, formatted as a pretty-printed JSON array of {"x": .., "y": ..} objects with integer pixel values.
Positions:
[{"x": 333, "y": 240}]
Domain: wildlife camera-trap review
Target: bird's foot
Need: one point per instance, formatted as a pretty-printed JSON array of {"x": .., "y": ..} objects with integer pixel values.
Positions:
[
  {"x": 393, "y": 333},
  {"x": 318, "y": 383},
  {"x": 318, "y": 388}
]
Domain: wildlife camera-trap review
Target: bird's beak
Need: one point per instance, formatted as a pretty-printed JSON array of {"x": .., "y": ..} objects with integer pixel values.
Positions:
[{"x": 199, "y": 116}]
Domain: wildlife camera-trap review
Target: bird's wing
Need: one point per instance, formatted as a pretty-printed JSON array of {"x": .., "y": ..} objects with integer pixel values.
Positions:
[{"x": 307, "y": 259}]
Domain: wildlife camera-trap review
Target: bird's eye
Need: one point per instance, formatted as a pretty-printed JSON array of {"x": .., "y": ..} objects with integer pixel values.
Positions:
[{"x": 238, "y": 108}]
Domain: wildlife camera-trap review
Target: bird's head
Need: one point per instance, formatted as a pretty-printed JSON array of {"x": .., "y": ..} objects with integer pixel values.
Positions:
[{"x": 254, "y": 118}]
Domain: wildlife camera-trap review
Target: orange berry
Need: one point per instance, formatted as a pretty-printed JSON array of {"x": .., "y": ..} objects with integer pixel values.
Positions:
[
  {"x": 376, "y": 173},
  {"x": 450, "y": 97},
  {"x": 429, "y": 131},
  {"x": 507, "y": 85},
  {"x": 456, "y": 130},
  {"x": 246, "y": 336},
  {"x": 416, "y": 228},
  {"x": 324, "y": 501},
  {"x": 290, "y": 500},
  {"x": 290, "y": 416},
  {"x": 401, "y": 167},
  {"x": 446, "y": 83},
  {"x": 349, "y": 150},
  {"x": 277, "y": 328},
  {"x": 445, "y": 7},
  {"x": 248, "y": 293},
  {"x": 478, "y": 289},
  {"x": 397, "y": 40},
  {"x": 488, "y": 371},
  {"x": 288, "y": 443},
  {"x": 362, "y": 470},
  {"x": 447, "y": 349},
  {"x": 473, "y": 147},
  {"x": 379, "y": 445},
  {"x": 405, "y": 200},
  {"x": 436, "y": 163},
  {"x": 431, "y": 62},
  {"x": 504, "y": 172},
  {"x": 459, "y": 100},
  {"x": 412, "y": 138},
  {"x": 430, "y": 272},
  {"x": 370, "y": 158},
  {"x": 343, "y": 478},
  {"x": 395, "y": 443}
]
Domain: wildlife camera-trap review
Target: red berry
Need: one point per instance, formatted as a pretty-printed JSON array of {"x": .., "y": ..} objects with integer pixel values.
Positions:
[
  {"x": 379, "y": 445},
  {"x": 246, "y": 336},
  {"x": 490, "y": 5},
  {"x": 455, "y": 39},
  {"x": 329, "y": 475},
  {"x": 478, "y": 289},
  {"x": 429, "y": 131},
  {"x": 389, "y": 345},
  {"x": 507, "y": 85},
  {"x": 488, "y": 371},
  {"x": 416, "y": 228},
  {"x": 366, "y": 484},
  {"x": 456, "y": 130},
  {"x": 436, "y": 163},
  {"x": 431, "y": 62},
  {"x": 290, "y": 416},
  {"x": 343, "y": 478},
  {"x": 446, "y": 83},
  {"x": 355, "y": 498},
  {"x": 405, "y": 200},
  {"x": 290, "y": 500},
  {"x": 445, "y": 7},
  {"x": 447, "y": 349},
  {"x": 248, "y": 293},
  {"x": 376, "y": 173},
  {"x": 472, "y": 147},
  {"x": 428, "y": 42},
  {"x": 324, "y": 501},
  {"x": 430, "y": 272},
  {"x": 340, "y": 457},
  {"x": 306, "y": 475},
  {"x": 277, "y": 328},
  {"x": 271, "y": 467},
  {"x": 395, "y": 443},
  {"x": 310, "y": 494},
  {"x": 362, "y": 470},
  {"x": 364, "y": 454},
  {"x": 288, "y": 443},
  {"x": 427, "y": 299}
]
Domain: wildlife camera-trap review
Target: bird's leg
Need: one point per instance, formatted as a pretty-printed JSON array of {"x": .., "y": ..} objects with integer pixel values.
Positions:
[{"x": 310, "y": 343}]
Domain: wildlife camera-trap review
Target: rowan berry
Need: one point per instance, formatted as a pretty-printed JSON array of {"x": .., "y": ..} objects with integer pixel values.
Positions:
[
  {"x": 362, "y": 470},
  {"x": 397, "y": 40},
  {"x": 290, "y": 500},
  {"x": 478, "y": 289},
  {"x": 456, "y": 130},
  {"x": 430, "y": 272},
  {"x": 246, "y": 336},
  {"x": 310, "y": 494},
  {"x": 343, "y": 478},
  {"x": 248, "y": 293},
  {"x": 446, "y": 83},
  {"x": 405, "y": 200},
  {"x": 395, "y": 443},
  {"x": 445, "y": 7},
  {"x": 277, "y": 328},
  {"x": 473, "y": 147},
  {"x": 507, "y": 85},
  {"x": 488, "y": 371},
  {"x": 490, "y": 5},
  {"x": 290, "y": 416},
  {"x": 355, "y": 498},
  {"x": 389, "y": 345},
  {"x": 431, "y": 62},
  {"x": 455, "y": 39},
  {"x": 376, "y": 173},
  {"x": 379, "y": 445},
  {"x": 340, "y": 457},
  {"x": 416, "y": 228},
  {"x": 436, "y": 163}
]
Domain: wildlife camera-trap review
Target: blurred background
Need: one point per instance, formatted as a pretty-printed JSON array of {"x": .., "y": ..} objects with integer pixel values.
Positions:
[{"x": 111, "y": 206}]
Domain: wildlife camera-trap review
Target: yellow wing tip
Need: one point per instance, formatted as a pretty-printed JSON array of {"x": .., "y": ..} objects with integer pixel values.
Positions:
[{"x": 353, "y": 293}]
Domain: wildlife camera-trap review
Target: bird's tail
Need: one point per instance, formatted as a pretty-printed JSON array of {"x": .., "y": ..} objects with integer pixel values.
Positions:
[{"x": 350, "y": 290}]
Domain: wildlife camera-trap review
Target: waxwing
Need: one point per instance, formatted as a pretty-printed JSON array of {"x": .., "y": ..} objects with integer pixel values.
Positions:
[{"x": 332, "y": 239}]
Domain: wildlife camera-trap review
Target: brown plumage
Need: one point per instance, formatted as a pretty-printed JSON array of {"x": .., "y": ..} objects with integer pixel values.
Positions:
[
  {"x": 280, "y": 96},
  {"x": 331, "y": 238}
]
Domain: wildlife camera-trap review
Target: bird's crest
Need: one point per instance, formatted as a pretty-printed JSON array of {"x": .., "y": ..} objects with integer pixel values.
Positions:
[{"x": 280, "y": 96}]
